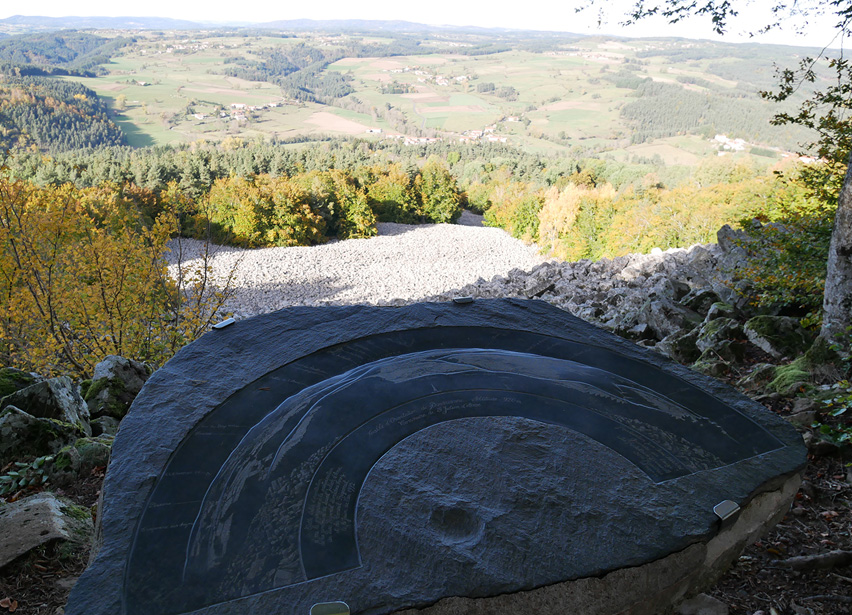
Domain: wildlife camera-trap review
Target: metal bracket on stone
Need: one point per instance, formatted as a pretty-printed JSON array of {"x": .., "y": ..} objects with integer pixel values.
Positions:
[
  {"x": 726, "y": 509},
  {"x": 225, "y": 323},
  {"x": 462, "y": 300},
  {"x": 330, "y": 608}
]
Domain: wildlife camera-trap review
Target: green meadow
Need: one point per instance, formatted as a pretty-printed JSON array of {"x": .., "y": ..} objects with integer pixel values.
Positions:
[{"x": 170, "y": 88}]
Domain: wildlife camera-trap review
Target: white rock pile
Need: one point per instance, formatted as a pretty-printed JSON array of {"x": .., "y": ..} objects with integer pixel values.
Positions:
[
  {"x": 647, "y": 297},
  {"x": 404, "y": 263}
]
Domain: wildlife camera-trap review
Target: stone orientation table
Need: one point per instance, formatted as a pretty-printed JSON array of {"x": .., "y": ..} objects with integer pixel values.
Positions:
[{"x": 483, "y": 457}]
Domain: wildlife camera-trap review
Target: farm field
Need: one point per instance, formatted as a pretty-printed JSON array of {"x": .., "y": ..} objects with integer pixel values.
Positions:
[{"x": 578, "y": 95}]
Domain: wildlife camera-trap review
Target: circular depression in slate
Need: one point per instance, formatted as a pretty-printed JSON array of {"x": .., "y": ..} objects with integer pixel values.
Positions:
[{"x": 263, "y": 493}]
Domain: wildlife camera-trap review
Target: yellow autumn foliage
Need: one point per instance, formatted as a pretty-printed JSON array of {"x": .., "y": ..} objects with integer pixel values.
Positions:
[{"x": 83, "y": 275}]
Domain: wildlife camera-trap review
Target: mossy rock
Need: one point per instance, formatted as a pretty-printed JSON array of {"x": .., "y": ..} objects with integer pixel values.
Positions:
[
  {"x": 682, "y": 348},
  {"x": 711, "y": 364},
  {"x": 12, "y": 380},
  {"x": 54, "y": 398},
  {"x": 778, "y": 336},
  {"x": 720, "y": 309},
  {"x": 104, "y": 425},
  {"x": 789, "y": 380},
  {"x": 103, "y": 395},
  {"x": 79, "y": 459},
  {"x": 700, "y": 300},
  {"x": 24, "y": 436},
  {"x": 718, "y": 330},
  {"x": 819, "y": 364},
  {"x": 721, "y": 339},
  {"x": 114, "y": 385},
  {"x": 760, "y": 376}
]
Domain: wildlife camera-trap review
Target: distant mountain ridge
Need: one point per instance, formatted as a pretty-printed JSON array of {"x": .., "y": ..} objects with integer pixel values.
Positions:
[
  {"x": 357, "y": 25},
  {"x": 76, "y": 23},
  {"x": 23, "y": 23}
]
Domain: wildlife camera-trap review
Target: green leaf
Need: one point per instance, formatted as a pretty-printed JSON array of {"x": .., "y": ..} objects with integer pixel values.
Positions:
[{"x": 5, "y": 479}]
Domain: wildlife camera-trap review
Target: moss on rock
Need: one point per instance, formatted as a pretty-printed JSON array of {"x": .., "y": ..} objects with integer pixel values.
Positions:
[
  {"x": 23, "y": 435},
  {"x": 778, "y": 336},
  {"x": 760, "y": 376},
  {"x": 12, "y": 380},
  {"x": 820, "y": 363},
  {"x": 709, "y": 363}
]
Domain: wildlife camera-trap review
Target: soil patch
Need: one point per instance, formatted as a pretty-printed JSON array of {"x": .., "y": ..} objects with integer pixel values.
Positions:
[
  {"x": 453, "y": 109},
  {"x": 386, "y": 64},
  {"x": 329, "y": 121},
  {"x": 426, "y": 97}
]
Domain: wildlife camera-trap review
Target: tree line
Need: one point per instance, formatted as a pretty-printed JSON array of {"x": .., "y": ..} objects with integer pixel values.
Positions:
[
  {"x": 74, "y": 53},
  {"x": 53, "y": 115}
]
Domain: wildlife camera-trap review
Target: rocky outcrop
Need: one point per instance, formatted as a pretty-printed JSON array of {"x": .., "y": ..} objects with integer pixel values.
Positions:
[
  {"x": 55, "y": 398},
  {"x": 12, "y": 380},
  {"x": 40, "y": 417},
  {"x": 23, "y": 436},
  {"x": 115, "y": 383},
  {"x": 37, "y": 520},
  {"x": 640, "y": 296}
]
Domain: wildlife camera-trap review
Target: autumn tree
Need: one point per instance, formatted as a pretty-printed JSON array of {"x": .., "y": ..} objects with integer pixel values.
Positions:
[
  {"x": 83, "y": 276},
  {"x": 826, "y": 111},
  {"x": 439, "y": 193}
]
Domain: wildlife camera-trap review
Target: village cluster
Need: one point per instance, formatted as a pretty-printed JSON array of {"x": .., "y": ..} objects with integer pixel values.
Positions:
[{"x": 424, "y": 76}]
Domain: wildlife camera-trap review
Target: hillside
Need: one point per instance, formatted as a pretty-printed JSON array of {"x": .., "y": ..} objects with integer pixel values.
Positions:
[
  {"x": 53, "y": 116},
  {"x": 632, "y": 99},
  {"x": 74, "y": 53}
]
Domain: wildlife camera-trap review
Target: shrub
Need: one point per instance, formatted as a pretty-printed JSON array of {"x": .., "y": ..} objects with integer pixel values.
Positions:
[
  {"x": 392, "y": 197},
  {"x": 82, "y": 276},
  {"x": 439, "y": 193},
  {"x": 264, "y": 211},
  {"x": 788, "y": 254}
]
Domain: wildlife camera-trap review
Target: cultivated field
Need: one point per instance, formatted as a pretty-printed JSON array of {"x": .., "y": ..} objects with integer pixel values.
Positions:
[{"x": 173, "y": 87}]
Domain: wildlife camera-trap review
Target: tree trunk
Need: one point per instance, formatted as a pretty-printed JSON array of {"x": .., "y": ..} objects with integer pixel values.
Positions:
[{"x": 837, "y": 302}]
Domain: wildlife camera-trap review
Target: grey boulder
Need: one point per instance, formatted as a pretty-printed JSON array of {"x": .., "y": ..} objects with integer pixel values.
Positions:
[
  {"x": 37, "y": 520},
  {"x": 55, "y": 398},
  {"x": 778, "y": 336},
  {"x": 23, "y": 435},
  {"x": 12, "y": 380},
  {"x": 115, "y": 384}
]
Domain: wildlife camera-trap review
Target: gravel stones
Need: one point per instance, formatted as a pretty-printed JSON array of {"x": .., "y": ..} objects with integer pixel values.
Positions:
[{"x": 403, "y": 263}]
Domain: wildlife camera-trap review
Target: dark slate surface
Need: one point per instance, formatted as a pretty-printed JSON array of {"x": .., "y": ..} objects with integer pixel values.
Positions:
[{"x": 390, "y": 457}]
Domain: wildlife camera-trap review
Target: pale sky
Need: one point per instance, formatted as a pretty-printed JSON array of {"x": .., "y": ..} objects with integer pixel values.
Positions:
[{"x": 531, "y": 14}]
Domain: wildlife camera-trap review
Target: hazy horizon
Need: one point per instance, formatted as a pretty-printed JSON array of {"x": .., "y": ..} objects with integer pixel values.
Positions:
[{"x": 536, "y": 15}]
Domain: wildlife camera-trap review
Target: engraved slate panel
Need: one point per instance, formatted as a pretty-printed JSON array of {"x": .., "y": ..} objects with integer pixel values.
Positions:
[{"x": 265, "y": 501}]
